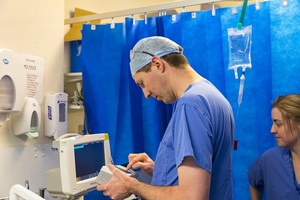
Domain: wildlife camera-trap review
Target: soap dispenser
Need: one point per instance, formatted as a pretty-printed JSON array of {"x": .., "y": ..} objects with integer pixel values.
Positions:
[{"x": 28, "y": 120}]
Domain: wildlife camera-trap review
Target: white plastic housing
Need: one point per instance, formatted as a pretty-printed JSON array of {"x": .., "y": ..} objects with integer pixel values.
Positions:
[
  {"x": 13, "y": 82},
  {"x": 28, "y": 120}
]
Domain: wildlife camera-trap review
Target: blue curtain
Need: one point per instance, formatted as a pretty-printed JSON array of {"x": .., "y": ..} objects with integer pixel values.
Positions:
[{"x": 114, "y": 104}]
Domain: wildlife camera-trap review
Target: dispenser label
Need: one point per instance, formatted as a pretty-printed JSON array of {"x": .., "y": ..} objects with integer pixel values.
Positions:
[{"x": 49, "y": 112}]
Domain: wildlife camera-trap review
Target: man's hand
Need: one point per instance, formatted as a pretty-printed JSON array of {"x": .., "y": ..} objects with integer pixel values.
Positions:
[
  {"x": 142, "y": 161},
  {"x": 116, "y": 188}
]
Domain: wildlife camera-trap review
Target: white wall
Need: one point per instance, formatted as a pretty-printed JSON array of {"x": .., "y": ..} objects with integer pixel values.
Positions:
[
  {"x": 22, "y": 163},
  {"x": 36, "y": 28}
]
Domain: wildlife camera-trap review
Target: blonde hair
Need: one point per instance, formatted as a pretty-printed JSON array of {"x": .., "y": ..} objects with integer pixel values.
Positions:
[{"x": 289, "y": 106}]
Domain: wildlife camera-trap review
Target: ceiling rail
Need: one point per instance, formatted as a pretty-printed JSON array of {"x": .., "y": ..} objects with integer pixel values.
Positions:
[{"x": 138, "y": 10}]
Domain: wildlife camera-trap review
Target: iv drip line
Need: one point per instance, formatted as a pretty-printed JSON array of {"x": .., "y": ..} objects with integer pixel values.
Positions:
[{"x": 241, "y": 89}]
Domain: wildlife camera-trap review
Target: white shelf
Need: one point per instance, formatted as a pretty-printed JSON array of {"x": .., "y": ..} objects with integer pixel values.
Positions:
[
  {"x": 73, "y": 77},
  {"x": 76, "y": 107}
]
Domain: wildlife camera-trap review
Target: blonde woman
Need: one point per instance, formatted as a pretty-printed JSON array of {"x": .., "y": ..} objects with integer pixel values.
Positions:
[{"x": 276, "y": 173}]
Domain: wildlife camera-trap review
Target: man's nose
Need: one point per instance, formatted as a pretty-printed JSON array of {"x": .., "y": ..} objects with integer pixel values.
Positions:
[{"x": 147, "y": 94}]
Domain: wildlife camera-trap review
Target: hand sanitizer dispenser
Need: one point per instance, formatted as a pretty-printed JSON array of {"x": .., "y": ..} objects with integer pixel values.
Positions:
[
  {"x": 56, "y": 115},
  {"x": 28, "y": 120}
]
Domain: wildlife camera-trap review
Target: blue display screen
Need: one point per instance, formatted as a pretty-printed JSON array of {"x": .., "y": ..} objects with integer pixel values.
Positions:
[{"x": 89, "y": 158}]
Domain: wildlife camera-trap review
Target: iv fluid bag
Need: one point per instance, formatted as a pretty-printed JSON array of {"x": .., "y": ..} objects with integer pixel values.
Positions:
[{"x": 239, "y": 41}]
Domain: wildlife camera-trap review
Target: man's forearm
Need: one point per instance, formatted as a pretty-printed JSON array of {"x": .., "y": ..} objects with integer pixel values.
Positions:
[{"x": 150, "y": 192}]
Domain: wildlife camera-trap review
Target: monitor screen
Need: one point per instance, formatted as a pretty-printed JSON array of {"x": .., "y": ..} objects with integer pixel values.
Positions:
[{"x": 89, "y": 158}]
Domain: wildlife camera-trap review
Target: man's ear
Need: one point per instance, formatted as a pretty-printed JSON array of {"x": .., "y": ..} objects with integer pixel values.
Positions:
[{"x": 158, "y": 64}]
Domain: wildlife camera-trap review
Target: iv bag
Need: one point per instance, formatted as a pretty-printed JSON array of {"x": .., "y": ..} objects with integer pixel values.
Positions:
[{"x": 239, "y": 40}]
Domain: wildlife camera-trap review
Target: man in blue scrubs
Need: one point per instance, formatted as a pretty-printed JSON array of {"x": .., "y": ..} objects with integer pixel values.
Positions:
[{"x": 194, "y": 157}]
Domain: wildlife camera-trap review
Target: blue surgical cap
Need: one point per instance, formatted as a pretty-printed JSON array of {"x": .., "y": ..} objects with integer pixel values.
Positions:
[{"x": 146, "y": 48}]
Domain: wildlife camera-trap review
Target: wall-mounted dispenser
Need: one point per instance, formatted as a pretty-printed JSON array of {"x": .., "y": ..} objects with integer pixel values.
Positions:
[
  {"x": 56, "y": 114},
  {"x": 28, "y": 120},
  {"x": 13, "y": 83}
]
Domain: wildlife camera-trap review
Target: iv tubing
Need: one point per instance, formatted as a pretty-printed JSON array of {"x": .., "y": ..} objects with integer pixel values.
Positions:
[
  {"x": 241, "y": 89},
  {"x": 240, "y": 24}
]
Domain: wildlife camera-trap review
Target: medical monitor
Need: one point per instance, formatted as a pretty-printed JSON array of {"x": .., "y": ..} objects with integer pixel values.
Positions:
[{"x": 81, "y": 158}]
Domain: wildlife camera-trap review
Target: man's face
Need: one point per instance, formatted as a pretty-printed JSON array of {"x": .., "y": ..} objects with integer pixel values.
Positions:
[{"x": 155, "y": 83}]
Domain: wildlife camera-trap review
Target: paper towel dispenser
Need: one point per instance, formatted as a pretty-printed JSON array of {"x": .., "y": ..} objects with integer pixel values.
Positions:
[{"x": 13, "y": 83}]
